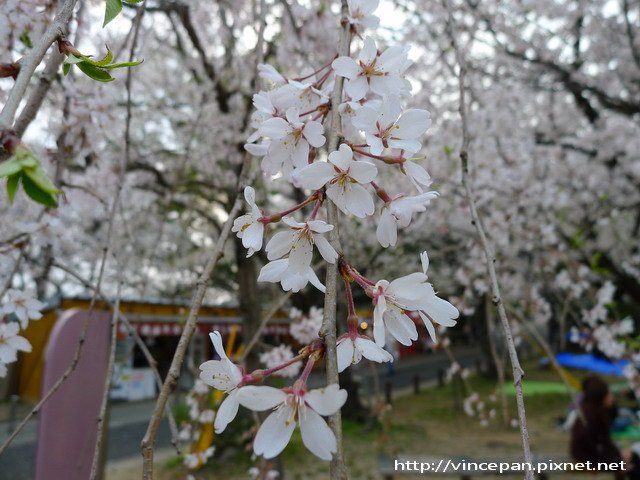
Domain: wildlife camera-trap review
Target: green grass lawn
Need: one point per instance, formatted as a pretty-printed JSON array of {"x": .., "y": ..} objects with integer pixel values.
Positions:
[{"x": 429, "y": 423}]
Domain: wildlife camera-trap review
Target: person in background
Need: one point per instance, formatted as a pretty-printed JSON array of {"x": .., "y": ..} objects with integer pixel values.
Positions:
[{"x": 591, "y": 432}]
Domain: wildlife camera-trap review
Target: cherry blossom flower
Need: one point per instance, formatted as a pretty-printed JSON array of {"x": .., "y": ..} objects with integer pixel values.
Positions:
[
  {"x": 380, "y": 74},
  {"x": 290, "y": 140},
  {"x": 351, "y": 350},
  {"x": 298, "y": 243},
  {"x": 434, "y": 309},
  {"x": 223, "y": 375},
  {"x": 279, "y": 271},
  {"x": 360, "y": 13},
  {"x": 390, "y": 302},
  {"x": 387, "y": 127},
  {"x": 11, "y": 343},
  {"x": 23, "y": 305},
  {"x": 248, "y": 226},
  {"x": 344, "y": 177},
  {"x": 294, "y": 406},
  {"x": 397, "y": 213}
]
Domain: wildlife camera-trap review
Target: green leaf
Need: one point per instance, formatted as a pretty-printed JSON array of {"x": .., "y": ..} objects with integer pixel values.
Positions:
[
  {"x": 96, "y": 73},
  {"x": 105, "y": 60},
  {"x": 72, "y": 59},
  {"x": 121, "y": 65},
  {"x": 10, "y": 167},
  {"x": 39, "y": 177},
  {"x": 37, "y": 195},
  {"x": 65, "y": 69},
  {"x": 12, "y": 186},
  {"x": 111, "y": 11}
]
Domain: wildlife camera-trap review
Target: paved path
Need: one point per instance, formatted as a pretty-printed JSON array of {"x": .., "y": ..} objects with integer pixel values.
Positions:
[{"x": 128, "y": 421}]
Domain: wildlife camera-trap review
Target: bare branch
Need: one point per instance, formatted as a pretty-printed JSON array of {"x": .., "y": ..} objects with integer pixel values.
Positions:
[
  {"x": 338, "y": 470},
  {"x": 518, "y": 372},
  {"x": 31, "y": 61}
]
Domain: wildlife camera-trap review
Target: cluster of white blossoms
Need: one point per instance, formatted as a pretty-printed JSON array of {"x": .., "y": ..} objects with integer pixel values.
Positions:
[
  {"x": 376, "y": 132},
  {"x": 23, "y": 307}
]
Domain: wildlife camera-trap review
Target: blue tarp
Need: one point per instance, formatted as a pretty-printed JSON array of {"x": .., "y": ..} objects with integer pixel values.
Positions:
[{"x": 588, "y": 361}]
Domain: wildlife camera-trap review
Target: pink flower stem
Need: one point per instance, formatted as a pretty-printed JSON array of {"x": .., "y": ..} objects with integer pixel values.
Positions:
[
  {"x": 352, "y": 316},
  {"x": 326, "y": 65},
  {"x": 272, "y": 370},
  {"x": 384, "y": 158},
  {"x": 316, "y": 208},
  {"x": 302, "y": 381},
  {"x": 322, "y": 79},
  {"x": 276, "y": 217}
]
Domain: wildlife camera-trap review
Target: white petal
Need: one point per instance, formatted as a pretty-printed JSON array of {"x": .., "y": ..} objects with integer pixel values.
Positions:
[
  {"x": 357, "y": 88},
  {"x": 378, "y": 322},
  {"x": 280, "y": 244},
  {"x": 313, "y": 176},
  {"x": 299, "y": 156},
  {"x": 319, "y": 226},
  {"x": 274, "y": 433},
  {"x": 219, "y": 374},
  {"x": 429, "y": 325},
  {"x": 226, "y": 412},
  {"x": 376, "y": 146},
  {"x": 363, "y": 172},
  {"x": 216, "y": 340},
  {"x": 424, "y": 259},
  {"x": 313, "y": 132},
  {"x": 344, "y": 351},
  {"x": 387, "y": 231},
  {"x": 345, "y": 67},
  {"x": 326, "y": 401},
  {"x": 373, "y": 352},
  {"x": 392, "y": 59},
  {"x": 359, "y": 201},
  {"x": 252, "y": 238},
  {"x": 325, "y": 248},
  {"x": 316, "y": 435},
  {"x": 369, "y": 51},
  {"x": 260, "y": 398},
  {"x": 342, "y": 157},
  {"x": 300, "y": 256},
  {"x": 385, "y": 85},
  {"x": 400, "y": 326},
  {"x": 365, "y": 119},
  {"x": 412, "y": 124},
  {"x": 442, "y": 312},
  {"x": 275, "y": 128},
  {"x": 273, "y": 271},
  {"x": 315, "y": 281}
]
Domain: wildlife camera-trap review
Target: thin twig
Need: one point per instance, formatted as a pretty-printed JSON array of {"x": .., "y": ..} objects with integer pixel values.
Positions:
[
  {"x": 490, "y": 260},
  {"x": 148, "y": 442},
  {"x": 97, "y": 452},
  {"x": 498, "y": 361},
  {"x": 338, "y": 470}
]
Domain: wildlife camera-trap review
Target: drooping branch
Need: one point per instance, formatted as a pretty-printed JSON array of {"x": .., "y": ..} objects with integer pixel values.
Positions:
[
  {"x": 490, "y": 259},
  {"x": 328, "y": 331}
]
